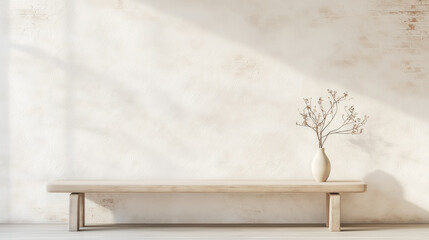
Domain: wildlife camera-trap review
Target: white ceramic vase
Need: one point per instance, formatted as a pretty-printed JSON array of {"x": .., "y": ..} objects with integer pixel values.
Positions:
[{"x": 321, "y": 167}]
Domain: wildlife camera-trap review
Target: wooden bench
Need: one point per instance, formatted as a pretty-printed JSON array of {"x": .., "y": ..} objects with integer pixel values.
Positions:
[{"x": 332, "y": 189}]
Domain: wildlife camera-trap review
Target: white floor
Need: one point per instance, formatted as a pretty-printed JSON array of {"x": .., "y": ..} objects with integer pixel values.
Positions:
[{"x": 125, "y": 232}]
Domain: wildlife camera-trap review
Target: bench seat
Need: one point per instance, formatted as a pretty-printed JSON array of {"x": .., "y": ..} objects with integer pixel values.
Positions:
[
  {"x": 78, "y": 188},
  {"x": 205, "y": 186}
]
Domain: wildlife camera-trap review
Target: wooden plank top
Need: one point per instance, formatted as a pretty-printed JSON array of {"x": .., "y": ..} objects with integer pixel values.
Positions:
[{"x": 205, "y": 186}]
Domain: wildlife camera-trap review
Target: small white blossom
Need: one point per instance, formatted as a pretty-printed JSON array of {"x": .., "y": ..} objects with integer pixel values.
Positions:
[{"x": 319, "y": 119}]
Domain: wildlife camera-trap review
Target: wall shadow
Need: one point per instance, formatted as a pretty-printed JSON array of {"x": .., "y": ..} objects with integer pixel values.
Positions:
[
  {"x": 384, "y": 202},
  {"x": 76, "y": 73},
  {"x": 70, "y": 71},
  {"x": 4, "y": 112},
  {"x": 352, "y": 46}
]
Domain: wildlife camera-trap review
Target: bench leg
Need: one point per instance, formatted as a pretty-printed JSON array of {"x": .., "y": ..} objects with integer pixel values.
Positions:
[
  {"x": 74, "y": 212},
  {"x": 334, "y": 212},
  {"x": 81, "y": 209},
  {"x": 327, "y": 209}
]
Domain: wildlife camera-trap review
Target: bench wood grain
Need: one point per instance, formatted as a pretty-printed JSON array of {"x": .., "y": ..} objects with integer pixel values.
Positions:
[{"x": 205, "y": 186}]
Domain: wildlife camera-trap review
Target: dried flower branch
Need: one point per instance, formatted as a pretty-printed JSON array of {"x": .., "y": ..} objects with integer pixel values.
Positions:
[{"x": 319, "y": 119}]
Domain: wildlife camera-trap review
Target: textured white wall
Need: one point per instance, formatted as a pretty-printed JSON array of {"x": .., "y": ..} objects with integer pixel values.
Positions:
[{"x": 210, "y": 89}]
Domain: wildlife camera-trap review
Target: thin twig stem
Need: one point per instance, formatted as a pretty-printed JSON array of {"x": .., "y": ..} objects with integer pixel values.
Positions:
[{"x": 320, "y": 121}]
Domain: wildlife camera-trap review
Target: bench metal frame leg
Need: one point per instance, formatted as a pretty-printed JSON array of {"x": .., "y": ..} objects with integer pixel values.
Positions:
[
  {"x": 76, "y": 211},
  {"x": 333, "y": 205}
]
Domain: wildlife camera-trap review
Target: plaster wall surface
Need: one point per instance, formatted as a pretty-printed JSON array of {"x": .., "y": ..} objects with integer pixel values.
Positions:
[{"x": 155, "y": 89}]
